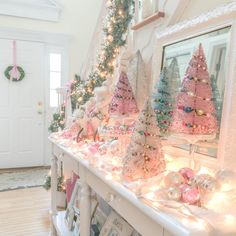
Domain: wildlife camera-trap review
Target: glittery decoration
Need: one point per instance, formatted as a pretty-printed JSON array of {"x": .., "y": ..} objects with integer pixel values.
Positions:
[
  {"x": 205, "y": 182},
  {"x": 195, "y": 95},
  {"x": 116, "y": 129},
  {"x": 190, "y": 194},
  {"x": 144, "y": 158},
  {"x": 187, "y": 173},
  {"x": 123, "y": 101}
]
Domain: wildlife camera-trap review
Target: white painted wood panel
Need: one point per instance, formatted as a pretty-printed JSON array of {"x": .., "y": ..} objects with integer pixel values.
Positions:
[{"x": 21, "y": 127}]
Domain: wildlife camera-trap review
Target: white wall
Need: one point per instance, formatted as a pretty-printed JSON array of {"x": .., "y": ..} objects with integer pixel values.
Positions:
[{"x": 78, "y": 20}]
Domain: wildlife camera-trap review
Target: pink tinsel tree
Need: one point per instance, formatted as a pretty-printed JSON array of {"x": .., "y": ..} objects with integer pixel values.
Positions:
[
  {"x": 123, "y": 101},
  {"x": 195, "y": 112},
  {"x": 144, "y": 158}
]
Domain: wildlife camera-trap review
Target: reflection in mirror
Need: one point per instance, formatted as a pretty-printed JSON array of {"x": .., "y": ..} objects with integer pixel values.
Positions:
[{"x": 215, "y": 45}]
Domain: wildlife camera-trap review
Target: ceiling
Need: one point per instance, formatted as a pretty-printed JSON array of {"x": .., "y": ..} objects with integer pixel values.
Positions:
[{"x": 48, "y": 10}]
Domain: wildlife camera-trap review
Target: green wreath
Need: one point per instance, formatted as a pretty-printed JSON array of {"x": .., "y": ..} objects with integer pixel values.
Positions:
[{"x": 21, "y": 71}]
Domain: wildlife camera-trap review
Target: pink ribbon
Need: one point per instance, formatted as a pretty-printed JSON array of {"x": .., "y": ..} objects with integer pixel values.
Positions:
[{"x": 14, "y": 72}]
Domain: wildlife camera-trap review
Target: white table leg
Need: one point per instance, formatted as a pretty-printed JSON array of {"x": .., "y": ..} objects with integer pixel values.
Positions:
[
  {"x": 54, "y": 176},
  {"x": 85, "y": 210}
]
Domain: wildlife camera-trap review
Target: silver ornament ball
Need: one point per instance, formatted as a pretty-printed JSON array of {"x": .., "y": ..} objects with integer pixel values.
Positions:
[
  {"x": 173, "y": 179},
  {"x": 174, "y": 193}
]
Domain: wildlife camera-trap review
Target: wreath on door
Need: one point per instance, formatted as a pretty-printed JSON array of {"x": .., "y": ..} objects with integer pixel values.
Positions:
[{"x": 14, "y": 72}]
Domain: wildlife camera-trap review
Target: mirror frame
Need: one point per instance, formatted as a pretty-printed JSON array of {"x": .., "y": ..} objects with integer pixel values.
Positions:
[{"x": 218, "y": 18}]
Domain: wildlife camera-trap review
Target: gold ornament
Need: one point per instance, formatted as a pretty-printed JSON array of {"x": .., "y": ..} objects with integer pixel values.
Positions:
[{"x": 200, "y": 112}]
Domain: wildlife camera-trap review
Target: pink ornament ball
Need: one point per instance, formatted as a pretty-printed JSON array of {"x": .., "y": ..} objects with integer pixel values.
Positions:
[
  {"x": 187, "y": 173},
  {"x": 173, "y": 179},
  {"x": 183, "y": 187},
  {"x": 190, "y": 195}
]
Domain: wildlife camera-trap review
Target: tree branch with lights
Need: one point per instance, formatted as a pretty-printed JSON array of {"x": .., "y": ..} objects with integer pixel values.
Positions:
[{"x": 120, "y": 13}]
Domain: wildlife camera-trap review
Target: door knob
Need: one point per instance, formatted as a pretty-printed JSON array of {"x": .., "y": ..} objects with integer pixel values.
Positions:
[{"x": 40, "y": 108}]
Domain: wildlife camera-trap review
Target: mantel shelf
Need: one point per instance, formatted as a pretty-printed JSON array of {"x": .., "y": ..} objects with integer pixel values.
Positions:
[{"x": 149, "y": 20}]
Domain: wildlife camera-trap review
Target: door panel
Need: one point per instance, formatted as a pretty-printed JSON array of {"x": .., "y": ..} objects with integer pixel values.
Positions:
[{"x": 21, "y": 127}]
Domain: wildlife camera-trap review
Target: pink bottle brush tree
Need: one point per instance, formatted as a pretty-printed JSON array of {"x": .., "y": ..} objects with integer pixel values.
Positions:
[
  {"x": 123, "y": 101},
  {"x": 195, "y": 112}
]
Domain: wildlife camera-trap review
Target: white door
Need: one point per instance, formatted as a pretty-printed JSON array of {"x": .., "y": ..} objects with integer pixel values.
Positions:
[{"x": 21, "y": 124}]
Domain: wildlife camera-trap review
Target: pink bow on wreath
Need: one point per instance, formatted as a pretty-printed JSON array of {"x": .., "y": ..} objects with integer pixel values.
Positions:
[{"x": 14, "y": 72}]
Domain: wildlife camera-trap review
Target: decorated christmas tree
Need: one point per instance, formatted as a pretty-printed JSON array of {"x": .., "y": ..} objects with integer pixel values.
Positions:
[
  {"x": 195, "y": 111},
  {"x": 58, "y": 122},
  {"x": 165, "y": 95},
  {"x": 144, "y": 158},
  {"x": 123, "y": 101}
]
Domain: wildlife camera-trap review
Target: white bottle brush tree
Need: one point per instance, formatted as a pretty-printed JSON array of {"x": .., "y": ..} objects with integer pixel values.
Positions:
[{"x": 144, "y": 158}]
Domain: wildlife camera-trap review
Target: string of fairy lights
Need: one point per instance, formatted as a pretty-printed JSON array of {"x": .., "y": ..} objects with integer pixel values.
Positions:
[
  {"x": 115, "y": 29},
  {"x": 116, "y": 24}
]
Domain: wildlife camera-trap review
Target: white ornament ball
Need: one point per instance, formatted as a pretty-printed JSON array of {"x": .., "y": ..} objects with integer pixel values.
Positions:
[
  {"x": 173, "y": 179},
  {"x": 210, "y": 185},
  {"x": 174, "y": 193},
  {"x": 226, "y": 179}
]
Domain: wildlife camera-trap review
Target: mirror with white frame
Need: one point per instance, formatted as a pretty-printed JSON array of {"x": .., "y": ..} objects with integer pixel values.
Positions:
[{"x": 215, "y": 45}]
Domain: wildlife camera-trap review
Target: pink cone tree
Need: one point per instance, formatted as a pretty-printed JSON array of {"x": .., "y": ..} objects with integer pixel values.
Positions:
[
  {"x": 195, "y": 112},
  {"x": 123, "y": 101}
]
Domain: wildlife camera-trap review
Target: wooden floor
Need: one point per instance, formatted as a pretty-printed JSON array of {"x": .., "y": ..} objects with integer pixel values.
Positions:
[{"x": 25, "y": 212}]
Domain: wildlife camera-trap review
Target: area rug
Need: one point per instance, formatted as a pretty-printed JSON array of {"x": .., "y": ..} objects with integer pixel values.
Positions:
[{"x": 26, "y": 178}]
